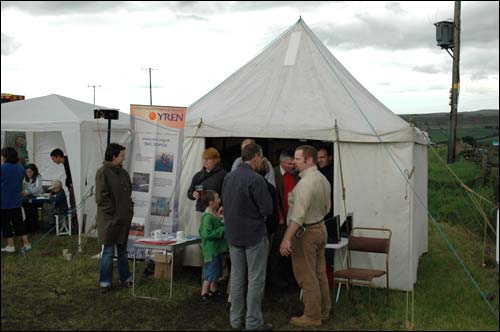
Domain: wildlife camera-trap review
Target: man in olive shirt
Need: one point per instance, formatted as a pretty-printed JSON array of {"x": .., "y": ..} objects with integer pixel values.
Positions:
[{"x": 306, "y": 235}]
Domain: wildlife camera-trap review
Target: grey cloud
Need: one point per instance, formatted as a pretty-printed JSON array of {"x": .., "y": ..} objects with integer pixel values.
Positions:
[
  {"x": 395, "y": 33},
  {"x": 480, "y": 23},
  {"x": 427, "y": 69},
  {"x": 395, "y": 7},
  {"x": 396, "y": 29},
  {"x": 56, "y": 8},
  {"x": 9, "y": 44},
  {"x": 197, "y": 9},
  {"x": 191, "y": 17},
  {"x": 438, "y": 87},
  {"x": 202, "y": 7},
  {"x": 479, "y": 62},
  {"x": 479, "y": 75},
  {"x": 481, "y": 90},
  {"x": 263, "y": 5}
]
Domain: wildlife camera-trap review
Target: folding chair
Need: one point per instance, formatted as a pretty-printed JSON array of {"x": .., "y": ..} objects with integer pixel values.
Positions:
[
  {"x": 63, "y": 227},
  {"x": 364, "y": 276}
]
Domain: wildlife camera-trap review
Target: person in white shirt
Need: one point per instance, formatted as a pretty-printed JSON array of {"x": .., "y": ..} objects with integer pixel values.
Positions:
[
  {"x": 32, "y": 185},
  {"x": 32, "y": 182}
]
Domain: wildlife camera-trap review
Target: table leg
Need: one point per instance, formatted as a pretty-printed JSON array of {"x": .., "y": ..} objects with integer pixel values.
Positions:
[
  {"x": 133, "y": 273},
  {"x": 172, "y": 273}
]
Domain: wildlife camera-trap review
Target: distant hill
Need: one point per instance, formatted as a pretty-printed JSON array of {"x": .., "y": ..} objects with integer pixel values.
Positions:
[{"x": 482, "y": 125}]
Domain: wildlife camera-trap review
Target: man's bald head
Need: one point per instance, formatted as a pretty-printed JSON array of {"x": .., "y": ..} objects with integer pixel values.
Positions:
[{"x": 246, "y": 142}]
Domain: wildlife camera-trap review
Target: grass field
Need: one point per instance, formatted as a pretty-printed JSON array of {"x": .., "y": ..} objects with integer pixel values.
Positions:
[
  {"x": 478, "y": 124},
  {"x": 447, "y": 198},
  {"x": 43, "y": 291}
]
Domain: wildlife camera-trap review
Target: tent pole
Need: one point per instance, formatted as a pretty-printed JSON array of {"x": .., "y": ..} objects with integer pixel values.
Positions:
[
  {"x": 80, "y": 224},
  {"x": 340, "y": 165}
]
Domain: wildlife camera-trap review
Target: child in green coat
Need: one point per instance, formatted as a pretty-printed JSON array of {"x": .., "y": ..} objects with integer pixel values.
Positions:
[{"x": 213, "y": 244}]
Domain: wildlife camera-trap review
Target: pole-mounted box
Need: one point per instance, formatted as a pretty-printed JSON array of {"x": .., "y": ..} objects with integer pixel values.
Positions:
[{"x": 444, "y": 34}]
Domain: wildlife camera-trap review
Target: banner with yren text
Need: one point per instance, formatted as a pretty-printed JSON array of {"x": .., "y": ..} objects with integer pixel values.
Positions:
[{"x": 155, "y": 167}]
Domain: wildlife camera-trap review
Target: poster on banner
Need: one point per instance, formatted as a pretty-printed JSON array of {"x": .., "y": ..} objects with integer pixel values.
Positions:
[{"x": 155, "y": 168}]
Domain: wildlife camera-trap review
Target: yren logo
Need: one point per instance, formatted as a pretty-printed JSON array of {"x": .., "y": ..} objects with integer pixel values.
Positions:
[{"x": 153, "y": 116}]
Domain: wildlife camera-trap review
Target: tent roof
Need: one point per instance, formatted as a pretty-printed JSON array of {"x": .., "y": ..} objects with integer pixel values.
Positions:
[
  {"x": 52, "y": 112},
  {"x": 295, "y": 88}
]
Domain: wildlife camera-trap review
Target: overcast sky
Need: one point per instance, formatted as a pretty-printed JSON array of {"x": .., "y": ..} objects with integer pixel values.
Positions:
[{"x": 62, "y": 47}]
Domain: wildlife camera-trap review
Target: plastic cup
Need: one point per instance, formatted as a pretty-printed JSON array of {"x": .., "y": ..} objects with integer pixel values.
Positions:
[{"x": 199, "y": 189}]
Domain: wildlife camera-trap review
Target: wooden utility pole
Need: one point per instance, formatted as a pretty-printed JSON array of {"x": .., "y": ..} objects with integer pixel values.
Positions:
[{"x": 455, "y": 85}]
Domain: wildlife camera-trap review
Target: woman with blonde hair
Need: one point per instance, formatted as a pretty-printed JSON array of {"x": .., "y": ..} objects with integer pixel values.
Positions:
[{"x": 210, "y": 177}]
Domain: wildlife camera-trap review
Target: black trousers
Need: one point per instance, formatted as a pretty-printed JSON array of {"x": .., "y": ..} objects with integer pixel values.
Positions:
[
  {"x": 32, "y": 222},
  {"x": 280, "y": 271},
  {"x": 12, "y": 223}
]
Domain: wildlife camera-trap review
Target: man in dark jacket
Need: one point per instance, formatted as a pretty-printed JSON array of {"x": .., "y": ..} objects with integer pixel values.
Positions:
[
  {"x": 325, "y": 166},
  {"x": 58, "y": 157},
  {"x": 115, "y": 210},
  {"x": 246, "y": 203}
]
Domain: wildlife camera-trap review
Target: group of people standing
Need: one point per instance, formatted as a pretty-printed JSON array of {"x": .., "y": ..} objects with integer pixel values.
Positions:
[
  {"x": 19, "y": 186},
  {"x": 268, "y": 214}
]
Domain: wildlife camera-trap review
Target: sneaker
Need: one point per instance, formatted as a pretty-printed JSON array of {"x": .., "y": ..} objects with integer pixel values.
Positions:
[
  {"x": 206, "y": 298},
  {"x": 265, "y": 327},
  {"x": 127, "y": 284},
  {"x": 218, "y": 296},
  {"x": 9, "y": 249},
  {"x": 305, "y": 321},
  {"x": 105, "y": 289},
  {"x": 217, "y": 293}
]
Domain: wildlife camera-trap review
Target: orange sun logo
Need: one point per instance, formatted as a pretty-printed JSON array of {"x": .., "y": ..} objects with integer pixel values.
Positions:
[{"x": 152, "y": 116}]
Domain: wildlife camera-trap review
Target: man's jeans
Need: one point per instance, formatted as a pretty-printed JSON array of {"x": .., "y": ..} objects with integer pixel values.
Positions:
[
  {"x": 106, "y": 269},
  {"x": 254, "y": 260}
]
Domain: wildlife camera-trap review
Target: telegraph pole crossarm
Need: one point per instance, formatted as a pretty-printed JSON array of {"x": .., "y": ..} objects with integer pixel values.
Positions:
[{"x": 93, "y": 86}]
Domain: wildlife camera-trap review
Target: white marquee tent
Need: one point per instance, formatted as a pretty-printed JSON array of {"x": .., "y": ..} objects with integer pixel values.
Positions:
[
  {"x": 55, "y": 121},
  {"x": 297, "y": 89}
]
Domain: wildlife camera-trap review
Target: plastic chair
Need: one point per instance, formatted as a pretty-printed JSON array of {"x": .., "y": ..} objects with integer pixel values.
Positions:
[
  {"x": 364, "y": 276},
  {"x": 63, "y": 227}
]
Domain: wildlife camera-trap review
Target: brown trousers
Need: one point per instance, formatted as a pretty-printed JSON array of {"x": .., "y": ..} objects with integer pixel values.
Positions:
[{"x": 309, "y": 268}]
